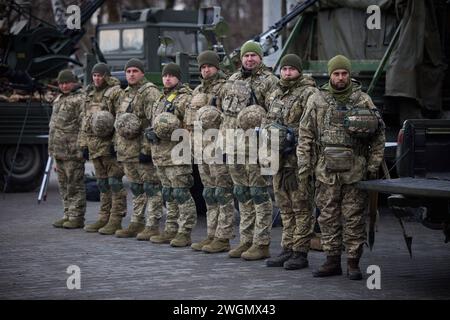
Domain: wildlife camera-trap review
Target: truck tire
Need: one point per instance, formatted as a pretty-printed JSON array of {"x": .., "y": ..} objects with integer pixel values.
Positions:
[{"x": 28, "y": 167}]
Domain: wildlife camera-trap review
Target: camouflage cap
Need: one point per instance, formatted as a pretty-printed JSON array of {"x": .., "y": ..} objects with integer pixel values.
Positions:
[
  {"x": 128, "y": 125},
  {"x": 66, "y": 76},
  {"x": 251, "y": 117},
  {"x": 166, "y": 123},
  {"x": 102, "y": 123},
  {"x": 210, "y": 117}
]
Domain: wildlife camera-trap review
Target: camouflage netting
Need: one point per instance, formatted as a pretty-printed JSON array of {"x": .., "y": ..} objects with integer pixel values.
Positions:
[
  {"x": 165, "y": 124},
  {"x": 251, "y": 117},
  {"x": 102, "y": 123},
  {"x": 210, "y": 117},
  {"x": 128, "y": 125}
]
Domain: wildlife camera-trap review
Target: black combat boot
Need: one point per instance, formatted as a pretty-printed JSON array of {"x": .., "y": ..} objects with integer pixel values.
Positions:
[
  {"x": 298, "y": 260},
  {"x": 331, "y": 267},
  {"x": 353, "y": 271},
  {"x": 279, "y": 259}
]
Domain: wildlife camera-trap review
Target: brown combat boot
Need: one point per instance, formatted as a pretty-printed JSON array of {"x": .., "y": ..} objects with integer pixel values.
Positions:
[
  {"x": 198, "y": 246},
  {"x": 59, "y": 223},
  {"x": 256, "y": 252},
  {"x": 164, "y": 237},
  {"x": 331, "y": 267},
  {"x": 217, "y": 245},
  {"x": 181, "y": 240},
  {"x": 147, "y": 233},
  {"x": 100, "y": 223},
  {"x": 237, "y": 252},
  {"x": 353, "y": 271},
  {"x": 133, "y": 229},
  {"x": 74, "y": 223},
  {"x": 114, "y": 224}
]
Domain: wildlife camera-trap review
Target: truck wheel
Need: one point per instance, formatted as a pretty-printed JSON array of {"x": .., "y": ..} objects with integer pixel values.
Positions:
[{"x": 28, "y": 167}]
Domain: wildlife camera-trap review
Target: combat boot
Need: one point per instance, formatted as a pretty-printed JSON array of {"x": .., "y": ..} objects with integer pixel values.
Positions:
[
  {"x": 198, "y": 246},
  {"x": 164, "y": 237},
  {"x": 237, "y": 252},
  {"x": 353, "y": 271},
  {"x": 147, "y": 233},
  {"x": 256, "y": 252},
  {"x": 133, "y": 229},
  {"x": 181, "y": 240},
  {"x": 217, "y": 245},
  {"x": 331, "y": 267},
  {"x": 114, "y": 224},
  {"x": 74, "y": 223},
  {"x": 279, "y": 260},
  {"x": 59, "y": 223},
  {"x": 100, "y": 223},
  {"x": 297, "y": 261}
]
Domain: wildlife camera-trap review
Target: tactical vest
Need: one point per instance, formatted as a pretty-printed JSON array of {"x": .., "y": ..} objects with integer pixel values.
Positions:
[
  {"x": 198, "y": 101},
  {"x": 93, "y": 107},
  {"x": 238, "y": 96}
]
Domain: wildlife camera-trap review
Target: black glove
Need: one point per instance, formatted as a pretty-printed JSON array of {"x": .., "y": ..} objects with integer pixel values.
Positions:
[
  {"x": 151, "y": 136},
  {"x": 143, "y": 158},
  {"x": 372, "y": 175},
  {"x": 85, "y": 151},
  {"x": 112, "y": 151},
  {"x": 289, "y": 179}
]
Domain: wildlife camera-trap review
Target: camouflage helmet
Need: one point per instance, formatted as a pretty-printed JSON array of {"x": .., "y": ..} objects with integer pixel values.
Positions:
[
  {"x": 102, "y": 123},
  {"x": 166, "y": 123},
  {"x": 251, "y": 117},
  {"x": 128, "y": 125},
  {"x": 210, "y": 117}
]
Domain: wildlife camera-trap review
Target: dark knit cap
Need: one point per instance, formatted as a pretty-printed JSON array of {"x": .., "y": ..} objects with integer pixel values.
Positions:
[
  {"x": 208, "y": 57},
  {"x": 101, "y": 68},
  {"x": 291, "y": 60},
  {"x": 172, "y": 69},
  {"x": 339, "y": 62},
  {"x": 135, "y": 63},
  {"x": 66, "y": 76}
]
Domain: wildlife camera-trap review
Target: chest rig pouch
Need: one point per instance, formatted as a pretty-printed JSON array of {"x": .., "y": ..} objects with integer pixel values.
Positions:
[
  {"x": 361, "y": 122},
  {"x": 238, "y": 97},
  {"x": 198, "y": 101}
]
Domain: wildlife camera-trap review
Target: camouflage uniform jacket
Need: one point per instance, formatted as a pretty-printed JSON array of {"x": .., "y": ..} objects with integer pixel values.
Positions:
[
  {"x": 322, "y": 125},
  {"x": 99, "y": 99},
  {"x": 161, "y": 151},
  {"x": 135, "y": 99},
  {"x": 65, "y": 124},
  {"x": 286, "y": 105}
]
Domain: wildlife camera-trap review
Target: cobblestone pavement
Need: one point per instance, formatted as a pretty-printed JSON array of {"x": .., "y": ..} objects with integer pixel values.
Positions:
[{"x": 35, "y": 257}]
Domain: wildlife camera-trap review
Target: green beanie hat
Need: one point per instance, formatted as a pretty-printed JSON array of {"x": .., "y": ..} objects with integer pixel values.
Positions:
[
  {"x": 135, "y": 63},
  {"x": 101, "y": 68},
  {"x": 66, "y": 76},
  {"x": 339, "y": 62},
  {"x": 208, "y": 57},
  {"x": 291, "y": 60},
  {"x": 172, "y": 69},
  {"x": 251, "y": 46}
]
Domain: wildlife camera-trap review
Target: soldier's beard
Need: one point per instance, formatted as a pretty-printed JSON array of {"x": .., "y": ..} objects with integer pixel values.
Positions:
[{"x": 340, "y": 85}]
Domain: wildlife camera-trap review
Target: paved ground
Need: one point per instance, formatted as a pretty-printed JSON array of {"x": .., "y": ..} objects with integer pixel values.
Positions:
[{"x": 35, "y": 257}]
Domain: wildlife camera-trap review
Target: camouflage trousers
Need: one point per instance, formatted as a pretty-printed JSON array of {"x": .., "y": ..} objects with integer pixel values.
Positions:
[
  {"x": 113, "y": 196},
  {"x": 296, "y": 216},
  {"x": 218, "y": 194},
  {"x": 181, "y": 211},
  {"x": 342, "y": 218},
  {"x": 146, "y": 190},
  {"x": 255, "y": 204},
  {"x": 71, "y": 187}
]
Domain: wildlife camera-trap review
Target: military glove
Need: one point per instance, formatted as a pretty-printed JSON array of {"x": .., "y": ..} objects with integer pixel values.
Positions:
[
  {"x": 112, "y": 151},
  {"x": 143, "y": 158},
  {"x": 85, "y": 151},
  {"x": 151, "y": 136},
  {"x": 289, "y": 179},
  {"x": 372, "y": 175}
]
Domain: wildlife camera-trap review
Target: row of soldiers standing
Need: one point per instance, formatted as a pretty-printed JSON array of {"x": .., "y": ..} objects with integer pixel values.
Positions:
[{"x": 128, "y": 132}]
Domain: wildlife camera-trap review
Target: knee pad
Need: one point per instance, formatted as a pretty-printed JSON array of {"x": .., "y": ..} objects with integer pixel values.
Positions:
[
  {"x": 151, "y": 189},
  {"x": 209, "y": 195},
  {"x": 167, "y": 194},
  {"x": 115, "y": 184},
  {"x": 103, "y": 185},
  {"x": 242, "y": 193},
  {"x": 259, "y": 194},
  {"x": 223, "y": 195},
  {"x": 136, "y": 189},
  {"x": 181, "y": 195}
]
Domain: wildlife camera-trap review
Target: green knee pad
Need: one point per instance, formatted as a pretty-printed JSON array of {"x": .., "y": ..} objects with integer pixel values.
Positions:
[
  {"x": 136, "y": 189},
  {"x": 209, "y": 195},
  {"x": 103, "y": 185},
  {"x": 242, "y": 193},
  {"x": 115, "y": 184},
  {"x": 181, "y": 195},
  {"x": 223, "y": 195},
  {"x": 167, "y": 194},
  {"x": 151, "y": 189},
  {"x": 259, "y": 194}
]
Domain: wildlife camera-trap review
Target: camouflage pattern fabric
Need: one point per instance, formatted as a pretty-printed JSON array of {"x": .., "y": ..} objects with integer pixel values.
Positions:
[{"x": 71, "y": 187}]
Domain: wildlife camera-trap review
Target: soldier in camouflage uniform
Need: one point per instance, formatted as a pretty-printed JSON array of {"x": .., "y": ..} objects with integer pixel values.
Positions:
[
  {"x": 343, "y": 128},
  {"x": 286, "y": 106},
  {"x": 95, "y": 139},
  {"x": 64, "y": 125},
  {"x": 137, "y": 163},
  {"x": 167, "y": 115},
  {"x": 218, "y": 186},
  {"x": 252, "y": 84}
]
